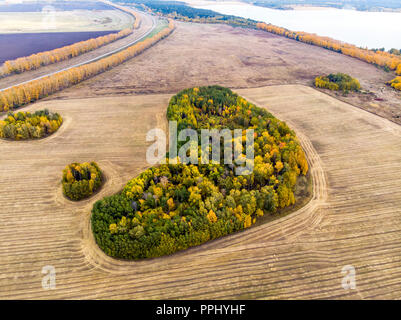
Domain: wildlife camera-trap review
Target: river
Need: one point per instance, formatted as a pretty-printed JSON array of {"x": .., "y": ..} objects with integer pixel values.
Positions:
[{"x": 364, "y": 29}]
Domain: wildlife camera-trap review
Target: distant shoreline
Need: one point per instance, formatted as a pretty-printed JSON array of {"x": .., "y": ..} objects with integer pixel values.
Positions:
[
  {"x": 298, "y": 7},
  {"x": 321, "y": 20},
  {"x": 311, "y": 7}
]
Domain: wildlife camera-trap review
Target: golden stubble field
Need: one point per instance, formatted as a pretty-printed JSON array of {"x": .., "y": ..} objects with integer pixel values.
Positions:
[{"x": 354, "y": 217}]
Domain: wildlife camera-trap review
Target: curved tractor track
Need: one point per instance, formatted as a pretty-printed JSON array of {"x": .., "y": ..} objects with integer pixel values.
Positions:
[{"x": 352, "y": 219}]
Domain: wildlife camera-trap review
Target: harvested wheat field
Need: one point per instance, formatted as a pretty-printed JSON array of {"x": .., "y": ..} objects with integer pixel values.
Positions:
[{"x": 354, "y": 217}]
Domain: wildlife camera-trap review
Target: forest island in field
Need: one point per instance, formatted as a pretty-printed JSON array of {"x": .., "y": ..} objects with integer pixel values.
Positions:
[
  {"x": 175, "y": 206},
  {"x": 80, "y": 201}
]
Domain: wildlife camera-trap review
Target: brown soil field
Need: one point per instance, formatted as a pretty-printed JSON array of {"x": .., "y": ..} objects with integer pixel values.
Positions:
[
  {"x": 353, "y": 217},
  {"x": 25, "y": 44},
  {"x": 198, "y": 54}
]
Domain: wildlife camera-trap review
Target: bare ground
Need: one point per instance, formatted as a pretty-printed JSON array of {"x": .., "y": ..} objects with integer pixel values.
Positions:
[
  {"x": 352, "y": 219},
  {"x": 197, "y": 54}
]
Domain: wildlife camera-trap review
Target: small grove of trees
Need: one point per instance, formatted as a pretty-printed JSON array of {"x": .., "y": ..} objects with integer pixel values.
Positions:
[
  {"x": 23, "y": 94},
  {"x": 338, "y": 81},
  {"x": 379, "y": 58},
  {"x": 394, "y": 51},
  {"x": 174, "y": 206},
  {"x": 395, "y": 83},
  {"x": 38, "y": 60},
  {"x": 80, "y": 181},
  {"x": 26, "y": 125}
]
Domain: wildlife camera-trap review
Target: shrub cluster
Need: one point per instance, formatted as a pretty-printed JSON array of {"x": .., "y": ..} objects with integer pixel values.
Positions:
[
  {"x": 26, "y": 125},
  {"x": 80, "y": 181},
  {"x": 395, "y": 83},
  {"x": 174, "y": 206},
  {"x": 339, "y": 81}
]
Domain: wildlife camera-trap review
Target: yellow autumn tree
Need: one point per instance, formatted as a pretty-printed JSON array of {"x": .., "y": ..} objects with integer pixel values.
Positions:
[
  {"x": 211, "y": 216},
  {"x": 395, "y": 83}
]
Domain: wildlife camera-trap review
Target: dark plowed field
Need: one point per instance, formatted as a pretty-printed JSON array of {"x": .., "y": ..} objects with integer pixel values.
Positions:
[{"x": 20, "y": 45}]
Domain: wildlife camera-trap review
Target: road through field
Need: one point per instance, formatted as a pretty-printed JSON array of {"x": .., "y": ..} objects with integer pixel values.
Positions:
[
  {"x": 353, "y": 219},
  {"x": 148, "y": 24}
]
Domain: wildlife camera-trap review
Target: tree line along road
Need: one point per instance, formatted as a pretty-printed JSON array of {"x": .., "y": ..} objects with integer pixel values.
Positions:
[{"x": 147, "y": 26}]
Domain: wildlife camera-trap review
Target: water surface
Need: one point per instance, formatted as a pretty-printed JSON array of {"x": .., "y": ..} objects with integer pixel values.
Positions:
[{"x": 364, "y": 29}]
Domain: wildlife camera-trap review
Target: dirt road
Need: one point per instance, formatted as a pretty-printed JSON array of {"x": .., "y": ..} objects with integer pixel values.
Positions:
[{"x": 353, "y": 218}]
